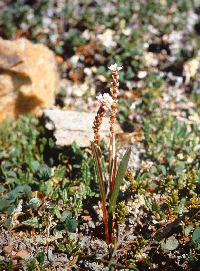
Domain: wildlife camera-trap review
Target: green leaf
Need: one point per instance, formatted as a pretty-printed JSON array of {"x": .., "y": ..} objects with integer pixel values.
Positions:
[
  {"x": 34, "y": 165},
  {"x": 77, "y": 150},
  {"x": 7, "y": 222},
  {"x": 97, "y": 155},
  {"x": 170, "y": 244},
  {"x": 10, "y": 210},
  {"x": 188, "y": 230},
  {"x": 148, "y": 204},
  {"x": 181, "y": 205},
  {"x": 60, "y": 172},
  {"x": 40, "y": 257},
  {"x": 99, "y": 172},
  {"x": 163, "y": 170},
  {"x": 118, "y": 181},
  {"x": 71, "y": 223},
  {"x": 57, "y": 212},
  {"x": 180, "y": 166},
  {"x": 33, "y": 222},
  {"x": 2, "y": 189},
  {"x": 196, "y": 237},
  {"x": 61, "y": 247},
  {"x": 64, "y": 216},
  {"x": 4, "y": 204},
  {"x": 43, "y": 172},
  {"x": 21, "y": 189}
]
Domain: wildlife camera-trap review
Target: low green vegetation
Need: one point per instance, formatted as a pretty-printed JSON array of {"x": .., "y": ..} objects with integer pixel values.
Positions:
[
  {"x": 27, "y": 172},
  {"x": 32, "y": 168}
]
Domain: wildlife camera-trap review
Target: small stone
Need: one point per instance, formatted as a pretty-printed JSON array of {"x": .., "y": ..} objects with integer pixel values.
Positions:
[
  {"x": 34, "y": 202},
  {"x": 22, "y": 254},
  {"x": 142, "y": 74},
  {"x": 150, "y": 59},
  {"x": 91, "y": 224},
  {"x": 107, "y": 38},
  {"x": 191, "y": 68},
  {"x": 101, "y": 78}
]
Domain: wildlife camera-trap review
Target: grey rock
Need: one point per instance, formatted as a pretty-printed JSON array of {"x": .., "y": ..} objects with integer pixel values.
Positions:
[
  {"x": 69, "y": 126},
  {"x": 99, "y": 248},
  {"x": 135, "y": 158},
  {"x": 93, "y": 266},
  {"x": 91, "y": 224}
]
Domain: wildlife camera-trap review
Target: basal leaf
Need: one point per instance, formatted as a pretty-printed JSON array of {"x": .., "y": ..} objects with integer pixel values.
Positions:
[
  {"x": 188, "y": 230},
  {"x": 33, "y": 222},
  {"x": 4, "y": 204},
  {"x": 170, "y": 244},
  {"x": 7, "y": 222},
  {"x": 196, "y": 236},
  {"x": 118, "y": 180},
  {"x": 99, "y": 171},
  {"x": 40, "y": 257},
  {"x": 96, "y": 154},
  {"x": 71, "y": 223}
]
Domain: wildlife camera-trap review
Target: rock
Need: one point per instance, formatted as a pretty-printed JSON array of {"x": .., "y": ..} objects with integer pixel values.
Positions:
[
  {"x": 135, "y": 161},
  {"x": 22, "y": 255},
  {"x": 190, "y": 69},
  {"x": 28, "y": 77},
  {"x": 69, "y": 126}
]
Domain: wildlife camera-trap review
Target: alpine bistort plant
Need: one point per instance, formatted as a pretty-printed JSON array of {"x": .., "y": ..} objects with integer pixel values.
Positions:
[{"x": 108, "y": 102}]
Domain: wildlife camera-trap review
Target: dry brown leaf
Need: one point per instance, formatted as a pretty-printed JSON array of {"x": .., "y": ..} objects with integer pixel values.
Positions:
[
  {"x": 124, "y": 138},
  {"x": 17, "y": 266},
  {"x": 16, "y": 234},
  {"x": 8, "y": 249},
  {"x": 72, "y": 262},
  {"x": 89, "y": 50},
  {"x": 86, "y": 218},
  {"x": 22, "y": 254}
]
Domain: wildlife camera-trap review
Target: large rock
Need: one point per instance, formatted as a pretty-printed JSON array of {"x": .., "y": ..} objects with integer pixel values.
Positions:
[
  {"x": 28, "y": 77},
  {"x": 69, "y": 126}
]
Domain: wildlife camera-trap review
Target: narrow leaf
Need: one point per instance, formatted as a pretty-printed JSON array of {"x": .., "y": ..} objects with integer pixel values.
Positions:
[
  {"x": 118, "y": 180},
  {"x": 196, "y": 236},
  {"x": 102, "y": 191},
  {"x": 99, "y": 171},
  {"x": 113, "y": 172}
]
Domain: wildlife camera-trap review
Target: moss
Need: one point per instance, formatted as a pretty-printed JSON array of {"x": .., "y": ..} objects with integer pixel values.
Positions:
[{"x": 121, "y": 213}]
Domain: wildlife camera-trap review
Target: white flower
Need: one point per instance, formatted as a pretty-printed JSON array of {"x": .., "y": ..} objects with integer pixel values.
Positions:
[
  {"x": 105, "y": 100},
  {"x": 115, "y": 68}
]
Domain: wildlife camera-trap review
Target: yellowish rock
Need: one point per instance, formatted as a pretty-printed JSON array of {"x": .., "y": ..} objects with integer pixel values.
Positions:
[
  {"x": 190, "y": 69},
  {"x": 28, "y": 77}
]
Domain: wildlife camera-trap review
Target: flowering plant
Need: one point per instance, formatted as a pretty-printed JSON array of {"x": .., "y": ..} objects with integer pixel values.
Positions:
[{"x": 108, "y": 102}]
